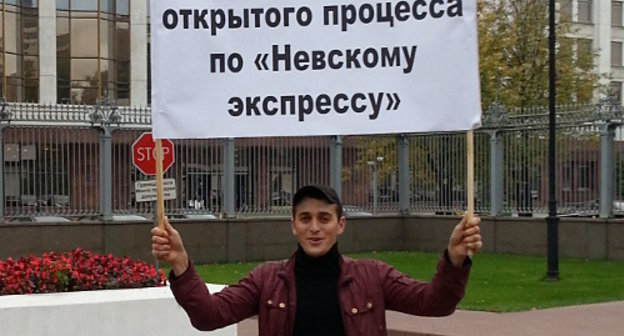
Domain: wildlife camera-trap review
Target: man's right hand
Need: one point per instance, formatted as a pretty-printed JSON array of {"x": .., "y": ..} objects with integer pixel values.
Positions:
[{"x": 167, "y": 246}]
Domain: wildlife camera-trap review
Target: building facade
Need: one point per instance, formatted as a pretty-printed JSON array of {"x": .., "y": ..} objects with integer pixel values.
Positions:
[
  {"x": 599, "y": 24},
  {"x": 74, "y": 51}
]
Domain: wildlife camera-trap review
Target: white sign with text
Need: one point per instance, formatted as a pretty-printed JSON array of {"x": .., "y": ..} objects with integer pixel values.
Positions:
[
  {"x": 145, "y": 191},
  {"x": 293, "y": 68}
]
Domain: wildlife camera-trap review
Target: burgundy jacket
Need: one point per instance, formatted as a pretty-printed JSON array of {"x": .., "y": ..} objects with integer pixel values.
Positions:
[{"x": 365, "y": 289}]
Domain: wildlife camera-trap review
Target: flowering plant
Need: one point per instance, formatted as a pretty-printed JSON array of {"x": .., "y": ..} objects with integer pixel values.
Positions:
[{"x": 76, "y": 270}]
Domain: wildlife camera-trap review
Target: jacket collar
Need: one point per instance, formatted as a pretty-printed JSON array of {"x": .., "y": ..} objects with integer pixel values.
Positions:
[
  {"x": 287, "y": 271},
  {"x": 346, "y": 270}
]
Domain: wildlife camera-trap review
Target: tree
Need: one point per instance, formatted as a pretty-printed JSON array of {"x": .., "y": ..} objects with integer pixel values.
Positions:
[
  {"x": 513, "y": 56},
  {"x": 514, "y": 69}
]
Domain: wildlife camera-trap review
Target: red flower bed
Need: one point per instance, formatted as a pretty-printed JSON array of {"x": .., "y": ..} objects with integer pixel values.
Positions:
[{"x": 77, "y": 270}]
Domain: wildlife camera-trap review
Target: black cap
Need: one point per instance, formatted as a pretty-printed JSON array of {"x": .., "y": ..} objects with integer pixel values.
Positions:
[{"x": 320, "y": 193}]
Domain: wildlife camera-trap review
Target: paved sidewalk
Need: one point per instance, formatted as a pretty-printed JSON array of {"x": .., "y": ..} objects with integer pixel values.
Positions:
[{"x": 604, "y": 319}]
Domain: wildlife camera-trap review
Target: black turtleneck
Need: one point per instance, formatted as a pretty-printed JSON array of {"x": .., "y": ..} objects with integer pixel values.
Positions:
[{"x": 318, "y": 310}]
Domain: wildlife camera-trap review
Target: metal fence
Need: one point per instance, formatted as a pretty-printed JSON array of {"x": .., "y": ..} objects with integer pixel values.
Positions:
[{"x": 76, "y": 162}]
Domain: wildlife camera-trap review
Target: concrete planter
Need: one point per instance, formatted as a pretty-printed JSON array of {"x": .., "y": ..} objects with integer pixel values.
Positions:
[{"x": 120, "y": 312}]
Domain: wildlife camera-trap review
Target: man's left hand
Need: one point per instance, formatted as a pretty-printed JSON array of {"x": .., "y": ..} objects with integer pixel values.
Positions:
[{"x": 465, "y": 240}]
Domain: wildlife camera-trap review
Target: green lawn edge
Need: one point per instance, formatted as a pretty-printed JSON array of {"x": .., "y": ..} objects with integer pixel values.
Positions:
[{"x": 498, "y": 282}]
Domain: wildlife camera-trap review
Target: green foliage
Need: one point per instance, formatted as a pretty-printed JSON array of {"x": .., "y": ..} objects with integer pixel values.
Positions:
[
  {"x": 513, "y": 56},
  {"x": 370, "y": 148},
  {"x": 62, "y": 280},
  {"x": 497, "y": 282}
]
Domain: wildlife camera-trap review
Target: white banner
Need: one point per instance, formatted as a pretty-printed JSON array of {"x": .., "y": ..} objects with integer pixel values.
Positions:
[{"x": 291, "y": 68}]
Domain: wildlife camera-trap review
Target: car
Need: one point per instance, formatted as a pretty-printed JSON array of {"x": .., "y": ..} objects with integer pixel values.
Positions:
[
  {"x": 351, "y": 211},
  {"x": 592, "y": 209},
  {"x": 194, "y": 215},
  {"x": 114, "y": 218},
  {"x": 37, "y": 219},
  {"x": 49, "y": 219},
  {"x": 618, "y": 209},
  {"x": 128, "y": 218}
]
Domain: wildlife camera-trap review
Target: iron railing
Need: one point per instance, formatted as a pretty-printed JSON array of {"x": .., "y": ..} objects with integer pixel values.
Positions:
[{"x": 76, "y": 162}]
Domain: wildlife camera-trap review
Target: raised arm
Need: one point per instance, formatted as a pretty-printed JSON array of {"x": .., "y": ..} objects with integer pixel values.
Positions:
[
  {"x": 206, "y": 311},
  {"x": 440, "y": 296}
]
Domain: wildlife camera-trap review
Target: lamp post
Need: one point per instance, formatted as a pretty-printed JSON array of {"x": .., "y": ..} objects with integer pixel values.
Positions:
[
  {"x": 374, "y": 164},
  {"x": 552, "y": 221}
]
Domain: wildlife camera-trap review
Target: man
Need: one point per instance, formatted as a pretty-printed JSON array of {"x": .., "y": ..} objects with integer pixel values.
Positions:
[{"x": 318, "y": 291}]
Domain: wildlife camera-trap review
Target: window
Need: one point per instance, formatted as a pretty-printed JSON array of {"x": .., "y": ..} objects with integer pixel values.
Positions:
[
  {"x": 565, "y": 9},
  {"x": 616, "y": 53},
  {"x": 584, "y": 49},
  {"x": 83, "y": 5},
  {"x": 586, "y": 175},
  {"x": 19, "y": 51},
  {"x": 62, "y": 4},
  {"x": 616, "y": 13},
  {"x": 93, "y": 51},
  {"x": 123, "y": 7},
  {"x": 282, "y": 186},
  {"x": 615, "y": 89},
  {"x": 566, "y": 181},
  {"x": 585, "y": 11},
  {"x": 37, "y": 175}
]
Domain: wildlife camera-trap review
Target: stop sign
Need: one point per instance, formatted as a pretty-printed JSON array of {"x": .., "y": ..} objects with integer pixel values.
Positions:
[{"x": 144, "y": 154}]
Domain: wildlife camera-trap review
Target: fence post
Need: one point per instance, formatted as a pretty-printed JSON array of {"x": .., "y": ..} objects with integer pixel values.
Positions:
[
  {"x": 494, "y": 119},
  {"x": 607, "y": 190},
  {"x": 1, "y": 174},
  {"x": 228, "y": 178},
  {"x": 104, "y": 115},
  {"x": 404, "y": 178},
  {"x": 5, "y": 116},
  {"x": 607, "y": 110},
  {"x": 106, "y": 174},
  {"x": 496, "y": 173},
  {"x": 335, "y": 162}
]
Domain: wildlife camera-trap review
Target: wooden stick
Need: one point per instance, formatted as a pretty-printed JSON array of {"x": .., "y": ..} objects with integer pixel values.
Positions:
[
  {"x": 469, "y": 178},
  {"x": 470, "y": 174},
  {"x": 160, "y": 204}
]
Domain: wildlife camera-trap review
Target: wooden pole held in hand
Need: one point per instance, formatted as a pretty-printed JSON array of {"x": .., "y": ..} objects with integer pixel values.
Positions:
[
  {"x": 160, "y": 204},
  {"x": 469, "y": 178},
  {"x": 470, "y": 174}
]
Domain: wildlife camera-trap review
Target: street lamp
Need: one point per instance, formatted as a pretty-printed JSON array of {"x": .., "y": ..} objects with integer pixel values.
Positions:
[
  {"x": 374, "y": 164},
  {"x": 552, "y": 221}
]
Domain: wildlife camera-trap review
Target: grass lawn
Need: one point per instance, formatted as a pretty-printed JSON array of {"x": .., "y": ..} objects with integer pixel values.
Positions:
[{"x": 497, "y": 282}]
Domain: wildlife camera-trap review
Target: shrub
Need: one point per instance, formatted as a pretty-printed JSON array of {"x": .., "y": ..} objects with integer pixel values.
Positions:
[{"x": 76, "y": 270}]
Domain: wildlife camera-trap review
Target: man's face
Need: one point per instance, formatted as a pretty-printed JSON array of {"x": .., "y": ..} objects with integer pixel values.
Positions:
[{"x": 316, "y": 226}]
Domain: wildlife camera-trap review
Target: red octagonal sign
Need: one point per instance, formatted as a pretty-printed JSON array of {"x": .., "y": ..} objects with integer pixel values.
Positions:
[{"x": 144, "y": 154}]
